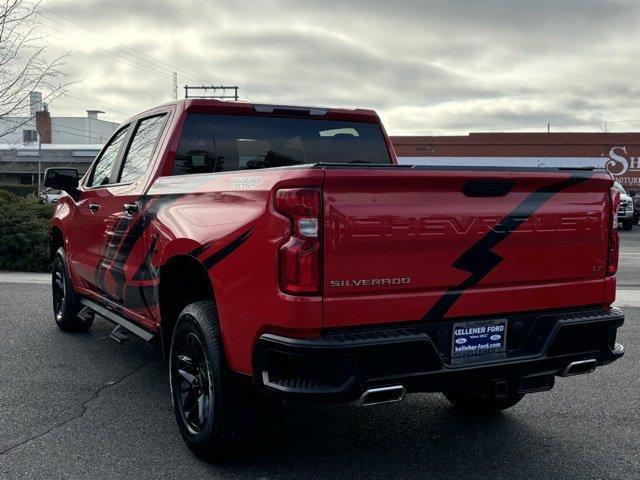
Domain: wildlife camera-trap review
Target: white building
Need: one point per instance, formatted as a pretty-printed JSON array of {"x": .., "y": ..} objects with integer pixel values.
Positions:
[
  {"x": 88, "y": 129},
  {"x": 19, "y": 165},
  {"x": 29, "y": 145}
]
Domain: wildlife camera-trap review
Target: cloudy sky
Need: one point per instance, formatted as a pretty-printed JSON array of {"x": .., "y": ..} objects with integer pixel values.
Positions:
[{"x": 428, "y": 67}]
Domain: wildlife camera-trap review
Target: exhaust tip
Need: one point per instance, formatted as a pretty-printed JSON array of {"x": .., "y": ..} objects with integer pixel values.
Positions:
[
  {"x": 375, "y": 396},
  {"x": 580, "y": 367}
]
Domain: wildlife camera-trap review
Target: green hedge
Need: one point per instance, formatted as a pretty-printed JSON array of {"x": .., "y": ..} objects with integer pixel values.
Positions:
[
  {"x": 24, "y": 233},
  {"x": 20, "y": 190}
]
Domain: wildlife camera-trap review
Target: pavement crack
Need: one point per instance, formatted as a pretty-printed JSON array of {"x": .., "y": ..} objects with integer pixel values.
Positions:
[{"x": 83, "y": 406}]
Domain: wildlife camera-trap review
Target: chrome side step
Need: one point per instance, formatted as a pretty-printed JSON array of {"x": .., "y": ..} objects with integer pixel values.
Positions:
[
  {"x": 375, "y": 396},
  {"x": 86, "y": 314},
  {"x": 120, "y": 335},
  {"x": 119, "y": 320},
  {"x": 580, "y": 367}
]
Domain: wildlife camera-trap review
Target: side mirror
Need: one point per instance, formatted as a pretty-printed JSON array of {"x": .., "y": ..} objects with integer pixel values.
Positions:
[{"x": 62, "y": 179}]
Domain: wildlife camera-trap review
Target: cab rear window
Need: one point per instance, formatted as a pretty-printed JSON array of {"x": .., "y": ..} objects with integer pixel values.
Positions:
[{"x": 217, "y": 143}]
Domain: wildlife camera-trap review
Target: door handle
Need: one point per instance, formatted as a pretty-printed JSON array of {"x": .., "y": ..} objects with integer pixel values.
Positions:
[
  {"x": 94, "y": 207},
  {"x": 130, "y": 208}
]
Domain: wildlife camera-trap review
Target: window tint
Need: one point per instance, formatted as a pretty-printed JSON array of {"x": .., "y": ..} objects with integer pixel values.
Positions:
[
  {"x": 102, "y": 170},
  {"x": 141, "y": 148},
  {"x": 216, "y": 143}
]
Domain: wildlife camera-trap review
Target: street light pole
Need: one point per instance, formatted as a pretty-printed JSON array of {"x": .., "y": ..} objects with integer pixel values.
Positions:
[{"x": 38, "y": 193}]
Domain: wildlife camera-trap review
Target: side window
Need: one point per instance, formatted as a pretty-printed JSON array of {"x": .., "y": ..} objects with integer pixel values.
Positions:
[
  {"x": 141, "y": 148},
  {"x": 199, "y": 152},
  {"x": 101, "y": 174}
]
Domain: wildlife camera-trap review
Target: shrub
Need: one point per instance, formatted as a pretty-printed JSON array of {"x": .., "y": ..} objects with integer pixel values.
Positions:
[
  {"x": 20, "y": 190},
  {"x": 24, "y": 233},
  {"x": 6, "y": 196}
]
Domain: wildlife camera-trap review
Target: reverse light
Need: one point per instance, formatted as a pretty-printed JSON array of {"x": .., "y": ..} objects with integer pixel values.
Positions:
[
  {"x": 308, "y": 227},
  {"x": 300, "y": 255},
  {"x": 614, "y": 241}
]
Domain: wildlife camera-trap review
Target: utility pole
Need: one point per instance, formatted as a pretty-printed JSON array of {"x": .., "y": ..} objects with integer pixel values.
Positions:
[
  {"x": 175, "y": 86},
  {"x": 548, "y": 127},
  {"x": 38, "y": 193}
]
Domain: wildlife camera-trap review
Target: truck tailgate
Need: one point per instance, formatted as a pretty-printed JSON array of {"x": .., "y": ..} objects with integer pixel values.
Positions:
[{"x": 404, "y": 245}]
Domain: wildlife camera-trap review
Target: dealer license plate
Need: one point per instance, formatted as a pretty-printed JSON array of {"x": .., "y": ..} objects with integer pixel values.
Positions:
[{"x": 479, "y": 338}]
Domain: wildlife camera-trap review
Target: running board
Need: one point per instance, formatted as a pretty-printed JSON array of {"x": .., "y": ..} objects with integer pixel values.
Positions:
[{"x": 119, "y": 320}]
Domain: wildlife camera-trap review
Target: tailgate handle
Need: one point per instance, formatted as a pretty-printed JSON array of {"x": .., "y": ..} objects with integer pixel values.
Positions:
[{"x": 488, "y": 188}]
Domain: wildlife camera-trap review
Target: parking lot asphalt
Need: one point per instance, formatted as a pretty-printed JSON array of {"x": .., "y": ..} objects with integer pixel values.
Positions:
[
  {"x": 82, "y": 406},
  {"x": 629, "y": 263}
]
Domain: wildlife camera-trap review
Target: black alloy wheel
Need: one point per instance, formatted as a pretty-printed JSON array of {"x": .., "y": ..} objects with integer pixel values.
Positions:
[
  {"x": 59, "y": 290},
  {"x": 194, "y": 383}
]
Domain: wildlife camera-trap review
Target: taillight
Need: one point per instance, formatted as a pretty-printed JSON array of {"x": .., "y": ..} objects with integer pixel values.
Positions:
[
  {"x": 300, "y": 255},
  {"x": 614, "y": 241}
]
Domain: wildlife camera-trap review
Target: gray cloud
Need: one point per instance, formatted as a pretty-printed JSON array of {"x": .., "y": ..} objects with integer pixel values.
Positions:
[{"x": 426, "y": 66}]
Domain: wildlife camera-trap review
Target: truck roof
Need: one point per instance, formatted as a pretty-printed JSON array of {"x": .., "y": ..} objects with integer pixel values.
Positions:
[{"x": 198, "y": 105}]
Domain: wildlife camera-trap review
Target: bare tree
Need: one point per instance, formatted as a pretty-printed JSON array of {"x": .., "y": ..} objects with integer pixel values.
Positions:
[{"x": 24, "y": 66}]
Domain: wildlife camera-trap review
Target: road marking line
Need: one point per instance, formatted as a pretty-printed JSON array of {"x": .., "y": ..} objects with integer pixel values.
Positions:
[
  {"x": 25, "y": 277},
  {"x": 627, "y": 298}
]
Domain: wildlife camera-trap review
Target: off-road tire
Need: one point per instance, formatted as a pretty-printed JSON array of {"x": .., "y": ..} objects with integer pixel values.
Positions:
[
  {"x": 66, "y": 303},
  {"x": 233, "y": 411}
]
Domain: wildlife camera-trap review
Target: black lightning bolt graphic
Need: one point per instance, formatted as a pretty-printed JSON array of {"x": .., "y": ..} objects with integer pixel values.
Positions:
[{"x": 479, "y": 260}]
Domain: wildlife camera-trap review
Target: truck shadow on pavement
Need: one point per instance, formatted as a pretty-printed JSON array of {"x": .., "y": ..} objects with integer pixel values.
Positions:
[
  {"x": 421, "y": 437},
  {"x": 576, "y": 431}
]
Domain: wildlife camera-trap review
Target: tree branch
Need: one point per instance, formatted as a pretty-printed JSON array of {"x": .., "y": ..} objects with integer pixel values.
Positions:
[{"x": 24, "y": 67}]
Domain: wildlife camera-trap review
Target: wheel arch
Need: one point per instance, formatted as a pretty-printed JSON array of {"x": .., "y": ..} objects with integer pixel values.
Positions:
[
  {"x": 56, "y": 240},
  {"x": 183, "y": 280}
]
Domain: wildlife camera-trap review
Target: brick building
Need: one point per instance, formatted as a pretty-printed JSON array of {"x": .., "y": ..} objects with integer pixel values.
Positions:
[{"x": 619, "y": 153}]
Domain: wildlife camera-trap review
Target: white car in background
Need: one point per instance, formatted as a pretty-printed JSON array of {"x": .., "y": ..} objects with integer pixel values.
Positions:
[
  {"x": 625, "y": 212},
  {"x": 50, "y": 195}
]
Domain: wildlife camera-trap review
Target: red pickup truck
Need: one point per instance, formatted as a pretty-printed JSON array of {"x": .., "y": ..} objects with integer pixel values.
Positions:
[{"x": 278, "y": 252}]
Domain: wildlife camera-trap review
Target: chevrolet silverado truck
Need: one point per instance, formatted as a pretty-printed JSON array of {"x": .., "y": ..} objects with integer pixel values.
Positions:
[{"x": 278, "y": 253}]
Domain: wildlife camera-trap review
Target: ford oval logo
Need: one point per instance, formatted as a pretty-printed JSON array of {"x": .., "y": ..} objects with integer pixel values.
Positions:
[
  {"x": 495, "y": 338},
  {"x": 461, "y": 341}
]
